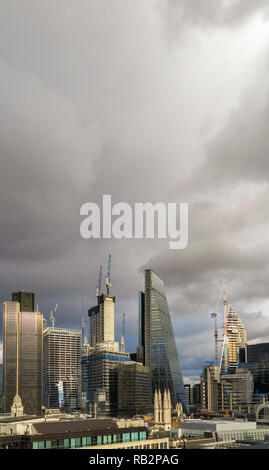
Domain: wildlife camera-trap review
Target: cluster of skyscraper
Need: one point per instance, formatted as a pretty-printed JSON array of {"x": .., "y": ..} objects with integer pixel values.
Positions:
[
  {"x": 239, "y": 382},
  {"x": 51, "y": 367}
]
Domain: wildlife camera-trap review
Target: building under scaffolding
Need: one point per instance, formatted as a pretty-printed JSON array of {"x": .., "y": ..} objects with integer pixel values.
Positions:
[
  {"x": 103, "y": 362},
  {"x": 61, "y": 367}
]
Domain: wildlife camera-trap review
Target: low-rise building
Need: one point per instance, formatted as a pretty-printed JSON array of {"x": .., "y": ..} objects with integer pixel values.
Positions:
[
  {"x": 221, "y": 430},
  {"x": 107, "y": 433}
]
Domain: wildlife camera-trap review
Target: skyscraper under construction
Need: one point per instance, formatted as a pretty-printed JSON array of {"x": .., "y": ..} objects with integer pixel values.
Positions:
[
  {"x": 235, "y": 337},
  {"x": 157, "y": 346},
  {"x": 102, "y": 356},
  {"x": 111, "y": 383}
]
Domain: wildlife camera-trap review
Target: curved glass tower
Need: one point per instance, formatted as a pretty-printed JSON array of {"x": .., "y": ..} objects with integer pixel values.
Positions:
[{"x": 159, "y": 350}]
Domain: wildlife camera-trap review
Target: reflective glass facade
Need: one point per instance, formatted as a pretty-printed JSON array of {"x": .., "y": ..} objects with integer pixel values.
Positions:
[
  {"x": 25, "y": 299},
  {"x": 160, "y": 347},
  {"x": 255, "y": 357},
  {"x": 22, "y": 358}
]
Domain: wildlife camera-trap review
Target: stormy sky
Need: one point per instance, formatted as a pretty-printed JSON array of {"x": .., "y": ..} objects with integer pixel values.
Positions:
[{"x": 146, "y": 100}]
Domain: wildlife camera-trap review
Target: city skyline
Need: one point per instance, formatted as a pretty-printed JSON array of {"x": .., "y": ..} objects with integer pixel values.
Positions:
[
  {"x": 131, "y": 341},
  {"x": 154, "y": 100}
]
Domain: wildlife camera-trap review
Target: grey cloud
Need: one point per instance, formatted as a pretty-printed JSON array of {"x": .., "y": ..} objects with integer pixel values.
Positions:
[
  {"x": 240, "y": 150},
  {"x": 211, "y": 13},
  {"x": 94, "y": 100}
]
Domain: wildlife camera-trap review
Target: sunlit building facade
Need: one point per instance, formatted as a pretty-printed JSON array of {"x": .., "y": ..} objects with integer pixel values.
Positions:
[{"x": 22, "y": 357}]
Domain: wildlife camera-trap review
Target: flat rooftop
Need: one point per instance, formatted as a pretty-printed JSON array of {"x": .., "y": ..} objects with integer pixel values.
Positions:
[{"x": 218, "y": 425}]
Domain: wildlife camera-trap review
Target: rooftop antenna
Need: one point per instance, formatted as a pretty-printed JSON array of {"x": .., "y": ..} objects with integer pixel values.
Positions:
[
  {"x": 122, "y": 342},
  {"x": 52, "y": 316},
  {"x": 108, "y": 277}
]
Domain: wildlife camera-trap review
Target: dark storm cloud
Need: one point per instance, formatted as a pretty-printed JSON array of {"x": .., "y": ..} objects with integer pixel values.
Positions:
[{"x": 94, "y": 100}]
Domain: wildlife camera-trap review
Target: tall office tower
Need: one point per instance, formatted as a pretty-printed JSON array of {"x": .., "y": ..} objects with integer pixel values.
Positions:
[
  {"x": 25, "y": 299},
  {"x": 61, "y": 367},
  {"x": 209, "y": 387},
  {"x": 102, "y": 319},
  {"x": 22, "y": 356},
  {"x": 236, "y": 337},
  {"x": 193, "y": 393},
  {"x": 236, "y": 390},
  {"x": 134, "y": 389},
  {"x": 255, "y": 358},
  {"x": 157, "y": 341}
]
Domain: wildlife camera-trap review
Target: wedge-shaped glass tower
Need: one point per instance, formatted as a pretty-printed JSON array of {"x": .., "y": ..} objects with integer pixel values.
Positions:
[{"x": 157, "y": 344}]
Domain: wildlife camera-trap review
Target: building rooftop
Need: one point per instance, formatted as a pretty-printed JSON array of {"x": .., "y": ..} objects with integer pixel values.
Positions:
[
  {"x": 218, "y": 425},
  {"x": 55, "y": 427}
]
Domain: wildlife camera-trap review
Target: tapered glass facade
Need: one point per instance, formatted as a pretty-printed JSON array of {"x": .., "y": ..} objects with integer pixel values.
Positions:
[{"x": 160, "y": 352}]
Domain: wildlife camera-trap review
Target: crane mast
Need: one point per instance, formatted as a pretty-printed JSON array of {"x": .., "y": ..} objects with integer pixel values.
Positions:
[
  {"x": 122, "y": 341},
  {"x": 108, "y": 277},
  {"x": 99, "y": 285}
]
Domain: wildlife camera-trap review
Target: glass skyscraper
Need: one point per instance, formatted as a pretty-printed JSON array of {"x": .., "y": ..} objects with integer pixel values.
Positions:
[
  {"x": 25, "y": 299},
  {"x": 22, "y": 357},
  {"x": 157, "y": 341}
]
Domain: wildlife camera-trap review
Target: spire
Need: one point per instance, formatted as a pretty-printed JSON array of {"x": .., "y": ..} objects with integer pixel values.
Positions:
[
  {"x": 156, "y": 407},
  {"x": 160, "y": 407},
  {"x": 169, "y": 400},
  {"x": 167, "y": 410}
]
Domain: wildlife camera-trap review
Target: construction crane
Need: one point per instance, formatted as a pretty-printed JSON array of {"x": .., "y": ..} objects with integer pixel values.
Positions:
[
  {"x": 52, "y": 316},
  {"x": 224, "y": 352},
  {"x": 99, "y": 286},
  {"x": 122, "y": 342},
  {"x": 108, "y": 277},
  {"x": 82, "y": 329},
  {"x": 215, "y": 316}
]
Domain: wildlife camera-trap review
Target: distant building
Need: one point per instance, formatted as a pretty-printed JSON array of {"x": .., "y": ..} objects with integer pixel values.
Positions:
[
  {"x": 157, "y": 344},
  {"x": 61, "y": 367},
  {"x": 193, "y": 393},
  {"x": 221, "y": 430},
  {"x": 236, "y": 390},
  {"x": 209, "y": 388},
  {"x": 22, "y": 354},
  {"x": 255, "y": 357},
  {"x": 134, "y": 389},
  {"x": 102, "y": 363}
]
